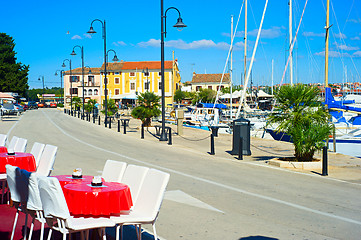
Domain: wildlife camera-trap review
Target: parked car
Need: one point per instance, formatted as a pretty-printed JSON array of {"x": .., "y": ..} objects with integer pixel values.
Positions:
[
  {"x": 25, "y": 106},
  {"x": 53, "y": 105},
  {"x": 32, "y": 105},
  {"x": 18, "y": 108},
  {"x": 7, "y": 109},
  {"x": 41, "y": 105}
]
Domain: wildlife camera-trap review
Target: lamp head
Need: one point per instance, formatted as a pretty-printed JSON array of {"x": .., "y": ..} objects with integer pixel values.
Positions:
[
  {"x": 56, "y": 73},
  {"x": 91, "y": 30},
  {"x": 63, "y": 65},
  {"x": 73, "y": 53},
  {"x": 115, "y": 59},
  {"x": 90, "y": 71},
  {"x": 180, "y": 25}
]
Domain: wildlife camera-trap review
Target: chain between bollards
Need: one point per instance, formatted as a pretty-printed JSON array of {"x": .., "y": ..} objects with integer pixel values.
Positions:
[{"x": 324, "y": 161}]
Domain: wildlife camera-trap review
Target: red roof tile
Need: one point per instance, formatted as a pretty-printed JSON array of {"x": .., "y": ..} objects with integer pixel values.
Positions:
[{"x": 210, "y": 78}]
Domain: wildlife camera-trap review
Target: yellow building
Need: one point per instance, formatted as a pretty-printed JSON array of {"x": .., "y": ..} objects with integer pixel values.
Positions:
[{"x": 128, "y": 79}]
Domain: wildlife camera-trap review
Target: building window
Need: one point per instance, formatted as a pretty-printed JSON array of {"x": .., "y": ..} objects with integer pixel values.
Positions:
[
  {"x": 90, "y": 92},
  {"x": 105, "y": 91},
  {"x": 146, "y": 86},
  {"x": 105, "y": 80},
  {"x": 198, "y": 88},
  {"x": 132, "y": 74},
  {"x": 95, "y": 91},
  {"x": 222, "y": 87},
  {"x": 90, "y": 80},
  {"x": 132, "y": 86},
  {"x": 116, "y": 73},
  {"x": 116, "y": 80},
  {"x": 160, "y": 85},
  {"x": 73, "y": 90},
  {"x": 146, "y": 74},
  {"x": 116, "y": 91},
  {"x": 159, "y": 73},
  {"x": 74, "y": 79},
  {"x": 210, "y": 87}
]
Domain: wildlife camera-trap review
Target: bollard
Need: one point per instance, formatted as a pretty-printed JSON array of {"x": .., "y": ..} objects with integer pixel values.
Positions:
[
  {"x": 93, "y": 118},
  {"x": 64, "y": 110},
  {"x": 142, "y": 132},
  {"x": 125, "y": 127},
  {"x": 324, "y": 161},
  {"x": 68, "y": 112},
  {"x": 212, "y": 144},
  {"x": 170, "y": 136},
  {"x": 71, "y": 112},
  {"x": 110, "y": 123},
  {"x": 105, "y": 122},
  {"x": 240, "y": 153},
  {"x": 118, "y": 125},
  {"x": 99, "y": 120}
]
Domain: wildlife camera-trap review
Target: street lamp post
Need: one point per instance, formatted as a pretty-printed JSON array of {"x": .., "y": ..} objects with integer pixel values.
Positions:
[
  {"x": 82, "y": 69},
  {"x": 43, "y": 85},
  {"x": 146, "y": 72},
  {"x": 71, "y": 84},
  {"x": 61, "y": 81},
  {"x": 91, "y": 31},
  {"x": 180, "y": 25}
]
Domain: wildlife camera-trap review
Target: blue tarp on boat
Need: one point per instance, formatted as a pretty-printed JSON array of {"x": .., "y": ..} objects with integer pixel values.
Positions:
[{"x": 212, "y": 105}]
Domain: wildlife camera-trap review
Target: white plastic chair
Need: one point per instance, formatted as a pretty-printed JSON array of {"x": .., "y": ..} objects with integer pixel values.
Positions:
[
  {"x": 19, "y": 193},
  {"x": 134, "y": 177},
  {"x": 113, "y": 171},
  {"x": 20, "y": 145},
  {"x": 148, "y": 204},
  {"x": 47, "y": 160},
  {"x": 34, "y": 206},
  {"x": 55, "y": 208},
  {"x": 12, "y": 143},
  {"x": 3, "y": 138},
  {"x": 37, "y": 150}
]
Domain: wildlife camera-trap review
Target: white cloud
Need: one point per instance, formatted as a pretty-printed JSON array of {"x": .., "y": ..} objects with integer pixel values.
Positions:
[
  {"x": 354, "y": 20},
  {"x": 87, "y": 35},
  {"x": 119, "y": 43},
  {"x": 180, "y": 44},
  {"x": 334, "y": 54},
  {"x": 346, "y": 48},
  {"x": 357, "y": 54},
  {"x": 273, "y": 32},
  {"x": 340, "y": 35},
  {"x": 355, "y": 38},
  {"x": 76, "y": 37},
  {"x": 312, "y": 34}
]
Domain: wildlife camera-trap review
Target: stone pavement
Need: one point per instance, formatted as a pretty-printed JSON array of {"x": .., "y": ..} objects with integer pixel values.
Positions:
[{"x": 342, "y": 167}]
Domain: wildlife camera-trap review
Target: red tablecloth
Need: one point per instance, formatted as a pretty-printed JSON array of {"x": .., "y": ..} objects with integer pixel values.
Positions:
[
  {"x": 111, "y": 198},
  {"x": 3, "y": 150},
  {"x": 67, "y": 179},
  {"x": 22, "y": 160}
]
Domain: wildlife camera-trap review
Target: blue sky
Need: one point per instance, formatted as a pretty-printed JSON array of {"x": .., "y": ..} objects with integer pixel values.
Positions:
[{"x": 46, "y": 31}]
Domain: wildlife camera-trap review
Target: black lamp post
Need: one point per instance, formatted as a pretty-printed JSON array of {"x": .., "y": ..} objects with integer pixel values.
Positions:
[
  {"x": 146, "y": 72},
  {"x": 61, "y": 81},
  {"x": 91, "y": 31},
  {"x": 71, "y": 84},
  {"x": 82, "y": 69},
  {"x": 180, "y": 25},
  {"x": 42, "y": 77}
]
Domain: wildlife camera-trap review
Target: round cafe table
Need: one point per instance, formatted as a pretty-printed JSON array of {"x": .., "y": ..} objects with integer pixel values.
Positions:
[
  {"x": 3, "y": 149},
  {"x": 67, "y": 179},
  {"x": 24, "y": 161},
  {"x": 111, "y": 198}
]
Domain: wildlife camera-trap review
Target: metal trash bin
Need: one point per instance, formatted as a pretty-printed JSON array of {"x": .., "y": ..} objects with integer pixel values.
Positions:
[{"x": 241, "y": 129}]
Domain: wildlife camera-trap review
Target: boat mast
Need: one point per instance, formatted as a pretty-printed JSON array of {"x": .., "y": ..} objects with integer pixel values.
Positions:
[
  {"x": 290, "y": 38},
  {"x": 231, "y": 71},
  {"x": 245, "y": 42},
  {"x": 326, "y": 47},
  {"x": 272, "y": 79}
]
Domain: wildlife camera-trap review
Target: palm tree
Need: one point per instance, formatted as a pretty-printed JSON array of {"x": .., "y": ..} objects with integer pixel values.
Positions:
[
  {"x": 148, "y": 107},
  {"x": 300, "y": 114},
  {"x": 90, "y": 105},
  {"x": 77, "y": 103}
]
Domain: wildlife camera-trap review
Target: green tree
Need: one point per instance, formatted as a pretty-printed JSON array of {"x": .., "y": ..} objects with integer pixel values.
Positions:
[
  {"x": 179, "y": 95},
  {"x": 300, "y": 114},
  {"x": 204, "y": 95},
  {"x": 148, "y": 107},
  {"x": 13, "y": 75},
  {"x": 89, "y": 106},
  {"x": 112, "y": 108},
  {"x": 77, "y": 103}
]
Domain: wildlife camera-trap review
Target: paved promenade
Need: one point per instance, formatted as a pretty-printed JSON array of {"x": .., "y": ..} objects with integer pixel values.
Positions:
[{"x": 212, "y": 196}]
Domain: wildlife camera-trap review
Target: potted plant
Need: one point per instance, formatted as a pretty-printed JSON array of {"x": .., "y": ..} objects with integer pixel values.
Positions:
[
  {"x": 300, "y": 113},
  {"x": 148, "y": 107}
]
